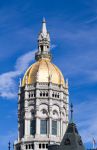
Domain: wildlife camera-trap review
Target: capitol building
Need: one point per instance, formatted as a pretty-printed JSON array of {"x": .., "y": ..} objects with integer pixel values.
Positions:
[{"x": 43, "y": 101}]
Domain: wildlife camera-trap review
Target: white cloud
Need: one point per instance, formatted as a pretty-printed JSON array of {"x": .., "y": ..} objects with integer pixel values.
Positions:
[
  {"x": 8, "y": 83},
  {"x": 7, "y": 80},
  {"x": 23, "y": 61},
  {"x": 53, "y": 46}
]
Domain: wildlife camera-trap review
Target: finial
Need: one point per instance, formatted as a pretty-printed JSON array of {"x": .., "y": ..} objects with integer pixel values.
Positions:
[
  {"x": 67, "y": 83},
  {"x": 71, "y": 119},
  {"x": 9, "y": 145},
  {"x": 44, "y": 30}
]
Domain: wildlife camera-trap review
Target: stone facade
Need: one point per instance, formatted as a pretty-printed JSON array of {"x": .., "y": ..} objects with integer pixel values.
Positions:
[{"x": 41, "y": 101}]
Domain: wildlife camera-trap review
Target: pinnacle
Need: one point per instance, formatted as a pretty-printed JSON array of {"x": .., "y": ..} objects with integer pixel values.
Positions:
[{"x": 44, "y": 30}]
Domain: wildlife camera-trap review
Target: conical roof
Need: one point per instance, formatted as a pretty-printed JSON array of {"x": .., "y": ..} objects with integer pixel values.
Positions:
[{"x": 71, "y": 140}]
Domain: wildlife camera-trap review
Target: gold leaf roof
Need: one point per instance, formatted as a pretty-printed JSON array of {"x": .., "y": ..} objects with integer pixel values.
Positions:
[{"x": 43, "y": 71}]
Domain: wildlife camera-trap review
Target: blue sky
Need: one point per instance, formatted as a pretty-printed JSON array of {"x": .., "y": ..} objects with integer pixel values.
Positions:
[{"x": 73, "y": 30}]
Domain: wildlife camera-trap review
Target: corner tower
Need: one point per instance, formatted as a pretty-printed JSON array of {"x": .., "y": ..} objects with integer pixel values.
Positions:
[{"x": 42, "y": 101}]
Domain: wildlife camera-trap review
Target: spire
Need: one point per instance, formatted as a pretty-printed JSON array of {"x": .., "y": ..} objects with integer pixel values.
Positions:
[
  {"x": 44, "y": 30},
  {"x": 71, "y": 110},
  {"x": 43, "y": 43}
]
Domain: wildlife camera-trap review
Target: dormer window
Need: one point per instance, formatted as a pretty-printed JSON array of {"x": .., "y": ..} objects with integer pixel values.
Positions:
[
  {"x": 67, "y": 141},
  {"x": 80, "y": 142}
]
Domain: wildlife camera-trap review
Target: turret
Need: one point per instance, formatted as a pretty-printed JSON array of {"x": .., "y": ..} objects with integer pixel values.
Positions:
[
  {"x": 43, "y": 43},
  {"x": 71, "y": 140}
]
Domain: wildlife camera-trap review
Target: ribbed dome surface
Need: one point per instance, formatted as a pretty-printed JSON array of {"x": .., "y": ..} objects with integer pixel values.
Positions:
[{"x": 43, "y": 71}]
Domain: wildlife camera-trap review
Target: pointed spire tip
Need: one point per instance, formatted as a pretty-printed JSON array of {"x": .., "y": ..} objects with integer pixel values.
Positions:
[
  {"x": 71, "y": 106},
  {"x": 44, "y": 21},
  {"x": 44, "y": 30}
]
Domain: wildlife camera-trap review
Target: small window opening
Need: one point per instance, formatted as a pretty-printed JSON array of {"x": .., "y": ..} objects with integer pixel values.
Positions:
[
  {"x": 43, "y": 145},
  {"x": 39, "y": 145},
  {"x": 46, "y": 94},
  {"x": 40, "y": 94},
  {"x": 26, "y": 146},
  {"x": 32, "y": 145},
  {"x": 80, "y": 142},
  {"x": 53, "y": 95},
  {"x": 43, "y": 94},
  {"x": 67, "y": 142},
  {"x": 29, "y": 146},
  {"x": 46, "y": 145},
  {"x": 41, "y": 48}
]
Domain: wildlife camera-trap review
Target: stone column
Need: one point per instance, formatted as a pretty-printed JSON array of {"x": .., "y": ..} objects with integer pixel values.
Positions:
[
  {"x": 50, "y": 126},
  {"x": 36, "y": 146},
  {"x": 61, "y": 125},
  {"x": 37, "y": 126},
  {"x": 58, "y": 128},
  {"x": 19, "y": 98},
  {"x": 50, "y": 111},
  {"x": 27, "y": 127},
  {"x": 50, "y": 119},
  {"x": 37, "y": 118}
]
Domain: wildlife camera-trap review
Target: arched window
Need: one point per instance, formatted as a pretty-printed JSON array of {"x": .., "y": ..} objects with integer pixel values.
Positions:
[
  {"x": 41, "y": 48},
  {"x": 29, "y": 95},
  {"x": 32, "y": 113},
  {"x": 53, "y": 95},
  {"x": 29, "y": 146},
  {"x": 55, "y": 114},
  {"x": 43, "y": 145},
  {"x": 58, "y": 95},
  {"x": 41, "y": 94},
  {"x": 44, "y": 111},
  {"x": 80, "y": 142},
  {"x": 39, "y": 145},
  {"x": 67, "y": 141},
  {"x": 26, "y": 146},
  {"x": 32, "y": 146},
  {"x": 46, "y": 145},
  {"x": 44, "y": 94}
]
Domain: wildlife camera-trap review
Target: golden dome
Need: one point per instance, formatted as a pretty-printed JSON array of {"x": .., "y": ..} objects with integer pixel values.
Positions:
[{"x": 43, "y": 71}]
